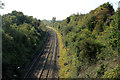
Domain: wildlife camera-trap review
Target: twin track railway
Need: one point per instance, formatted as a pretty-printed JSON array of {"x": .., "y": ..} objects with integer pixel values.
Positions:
[{"x": 45, "y": 65}]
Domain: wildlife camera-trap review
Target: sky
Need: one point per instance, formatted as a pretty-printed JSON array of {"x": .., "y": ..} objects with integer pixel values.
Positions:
[{"x": 46, "y": 9}]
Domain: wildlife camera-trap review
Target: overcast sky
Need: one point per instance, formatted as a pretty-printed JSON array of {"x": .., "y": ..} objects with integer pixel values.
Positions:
[{"x": 46, "y": 9}]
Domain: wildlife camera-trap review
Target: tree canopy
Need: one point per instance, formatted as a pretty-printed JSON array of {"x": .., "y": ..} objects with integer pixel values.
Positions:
[
  {"x": 90, "y": 41},
  {"x": 22, "y": 35}
]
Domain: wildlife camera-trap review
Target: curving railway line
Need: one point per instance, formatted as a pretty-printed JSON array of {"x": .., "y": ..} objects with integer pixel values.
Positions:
[{"x": 45, "y": 64}]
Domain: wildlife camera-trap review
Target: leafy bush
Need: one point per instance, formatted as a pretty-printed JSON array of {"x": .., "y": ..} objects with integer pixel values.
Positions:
[
  {"x": 114, "y": 73},
  {"x": 101, "y": 70},
  {"x": 21, "y": 37},
  {"x": 89, "y": 40}
]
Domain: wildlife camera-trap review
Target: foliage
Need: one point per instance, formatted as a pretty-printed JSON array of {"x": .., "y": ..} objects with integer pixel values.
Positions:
[
  {"x": 100, "y": 71},
  {"x": 21, "y": 37},
  {"x": 89, "y": 39},
  {"x": 115, "y": 73}
]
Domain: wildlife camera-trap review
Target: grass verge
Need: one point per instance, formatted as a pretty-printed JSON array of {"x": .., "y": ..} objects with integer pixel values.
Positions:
[{"x": 62, "y": 53}]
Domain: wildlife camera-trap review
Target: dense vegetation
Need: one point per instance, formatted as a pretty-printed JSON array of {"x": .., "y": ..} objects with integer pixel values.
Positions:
[
  {"x": 22, "y": 36},
  {"x": 90, "y": 44}
]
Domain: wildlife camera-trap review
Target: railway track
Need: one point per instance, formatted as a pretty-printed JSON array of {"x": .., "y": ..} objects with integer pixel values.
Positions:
[{"x": 45, "y": 65}]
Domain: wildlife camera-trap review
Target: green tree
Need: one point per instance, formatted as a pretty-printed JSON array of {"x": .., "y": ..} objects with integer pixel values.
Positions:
[{"x": 53, "y": 20}]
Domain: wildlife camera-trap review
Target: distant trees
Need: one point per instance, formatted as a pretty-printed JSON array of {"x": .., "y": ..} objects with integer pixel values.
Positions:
[{"x": 53, "y": 20}]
